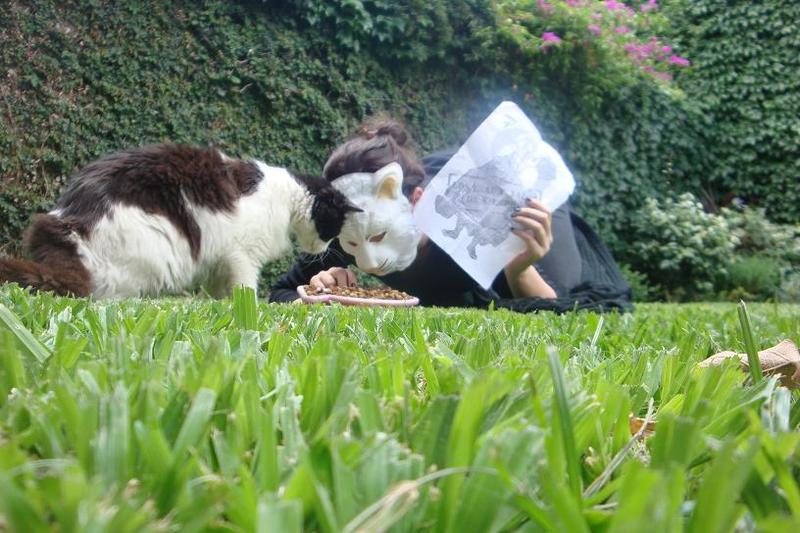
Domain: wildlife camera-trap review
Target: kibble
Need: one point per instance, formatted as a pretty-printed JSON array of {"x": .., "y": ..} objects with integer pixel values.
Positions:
[{"x": 374, "y": 293}]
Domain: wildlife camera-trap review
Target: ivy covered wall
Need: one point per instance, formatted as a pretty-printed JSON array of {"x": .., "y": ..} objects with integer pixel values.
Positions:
[{"x": 745, "y": 80}]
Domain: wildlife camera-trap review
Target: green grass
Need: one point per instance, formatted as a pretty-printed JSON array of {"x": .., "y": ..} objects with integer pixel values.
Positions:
[{"x": 200, "y": 415}]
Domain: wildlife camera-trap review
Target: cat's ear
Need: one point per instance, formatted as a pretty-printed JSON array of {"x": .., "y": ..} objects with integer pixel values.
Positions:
[{"x": 389, "y": 182}]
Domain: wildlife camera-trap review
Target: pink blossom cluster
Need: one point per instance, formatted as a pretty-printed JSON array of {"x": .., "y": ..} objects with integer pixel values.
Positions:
[
  {"x": 550, "y": 37},
  {"x": 651, "y": 5},
  {"x": 619, "y": 21},
  {"x": 641, "y": 52}
]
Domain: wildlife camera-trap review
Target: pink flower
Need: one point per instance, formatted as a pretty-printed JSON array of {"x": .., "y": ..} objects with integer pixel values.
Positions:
[
  {"x": 594, "y": 29},
  {"x": 622, "y": 29},
  {"x": 638, "y": 52},
  {"x": 680, "y": 61},
  {"x": 666, "y": 49},
  {"x": 551, "y": 37},
  {"x": 544, "y": 6},
  {"x": 576, "y": 3},
  {"x": 651, "y": 5},
  {"x": 613, "y": 5}
]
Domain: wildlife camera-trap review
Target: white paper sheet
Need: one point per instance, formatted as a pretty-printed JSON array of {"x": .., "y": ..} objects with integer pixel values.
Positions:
[{"x": 466, "y": 208}]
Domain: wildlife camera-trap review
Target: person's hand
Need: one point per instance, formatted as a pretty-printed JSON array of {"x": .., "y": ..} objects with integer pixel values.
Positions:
[
  {"x": 534, "y": 227},
  {"x": 334, "y": 277}
]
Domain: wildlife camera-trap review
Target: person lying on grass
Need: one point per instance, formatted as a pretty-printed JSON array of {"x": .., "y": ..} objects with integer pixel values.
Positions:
[{"x": 383, "y": 242}]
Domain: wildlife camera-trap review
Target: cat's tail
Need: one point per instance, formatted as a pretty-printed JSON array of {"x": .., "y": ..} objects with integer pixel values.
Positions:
[
  {"x": 41, "y": 277},
  {"x": 56, "y": 266}
]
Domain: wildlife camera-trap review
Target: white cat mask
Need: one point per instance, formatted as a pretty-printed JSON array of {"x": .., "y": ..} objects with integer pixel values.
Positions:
[{"x": 382, "y": 238}]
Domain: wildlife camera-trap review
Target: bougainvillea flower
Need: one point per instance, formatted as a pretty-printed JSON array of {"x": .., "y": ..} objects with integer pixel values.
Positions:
[
  {"x": 550, "y": 37},
  {"x": 680, "y": 61},
  {"x": 613, "y": 5},
  {"x": 650, "y": 5}
]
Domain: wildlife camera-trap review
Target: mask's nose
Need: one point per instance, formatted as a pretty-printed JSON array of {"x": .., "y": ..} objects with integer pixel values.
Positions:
[{"x": 367, "y": 262}]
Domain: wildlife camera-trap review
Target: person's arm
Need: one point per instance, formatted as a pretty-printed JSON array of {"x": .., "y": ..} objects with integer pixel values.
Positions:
[
  {"x": 528, "y": 283},
  {"x": 534, "y": 228},
  {"x": 306, "y": 267}
]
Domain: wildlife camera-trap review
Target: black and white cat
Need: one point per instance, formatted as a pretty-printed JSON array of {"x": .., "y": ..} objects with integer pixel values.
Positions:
[{"x": 163, "y": 218}]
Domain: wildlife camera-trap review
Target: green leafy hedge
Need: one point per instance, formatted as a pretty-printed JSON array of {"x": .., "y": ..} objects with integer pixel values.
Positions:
[{"x": 746, "y": 80}]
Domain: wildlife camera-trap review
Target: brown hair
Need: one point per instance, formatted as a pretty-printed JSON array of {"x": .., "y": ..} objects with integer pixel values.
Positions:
[{"x": 378, "y": 141}]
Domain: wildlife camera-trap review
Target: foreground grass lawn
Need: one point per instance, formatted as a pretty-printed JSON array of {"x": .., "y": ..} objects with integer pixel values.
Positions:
[{"x": 214, "y": 415}]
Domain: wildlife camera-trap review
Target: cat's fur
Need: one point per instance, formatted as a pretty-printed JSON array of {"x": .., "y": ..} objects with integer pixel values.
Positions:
[{"x": 164, "y": 218}]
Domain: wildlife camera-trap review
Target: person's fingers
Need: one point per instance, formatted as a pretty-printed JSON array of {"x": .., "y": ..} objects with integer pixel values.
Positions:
[
  {"x": 536, "y": 204},
  {"x": 539, "y": 206},
  {"x": 542, "y": 217},
  {"x": 339, "y": 277},
  {"x": 322, "y": 280},
  {"x": 535, "y": 214},
  {"x": 334, "y": 277},
  {"x": 535, "y": 249},
  {"x": 343, "y": 277},
  {"x": 534, "y": 228}
]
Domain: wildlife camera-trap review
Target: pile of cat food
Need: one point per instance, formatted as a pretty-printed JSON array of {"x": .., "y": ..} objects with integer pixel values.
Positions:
[
  {"x": 380, "y": 293},
  {"x": 382, "y": 296}
]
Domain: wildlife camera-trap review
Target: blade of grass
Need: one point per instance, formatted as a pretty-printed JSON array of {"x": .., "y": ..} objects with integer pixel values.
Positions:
[
  {"x": 603, "y": 478},
  {"x": 245, "y": 311},
  {"x": 195, "y": 423},
  {"x": 561, "y": 413},
  {"x": 24, "y": 335},
  {"x": 283, "y": 516},
  {"x": 749, "y": 344},
  {"x": 17, "y": 508}
]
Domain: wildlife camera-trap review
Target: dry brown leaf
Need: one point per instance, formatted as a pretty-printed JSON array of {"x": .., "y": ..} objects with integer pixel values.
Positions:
[
  {"x": 782, "y": 360},
  {"x": 636, "y": 425}
]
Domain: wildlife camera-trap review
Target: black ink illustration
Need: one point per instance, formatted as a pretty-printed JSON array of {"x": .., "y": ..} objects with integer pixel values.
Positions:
[{"x": 481, "y": 200}]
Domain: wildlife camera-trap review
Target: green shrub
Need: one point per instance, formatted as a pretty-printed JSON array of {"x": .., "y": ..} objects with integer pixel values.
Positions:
[
  {"x": 754, "y": 277},
  {"x": 758, "y": 235},
  {"x": 790, "y": 286},
  {"x": 642, "y": 289},
  {"x": 679, "y": 246}
]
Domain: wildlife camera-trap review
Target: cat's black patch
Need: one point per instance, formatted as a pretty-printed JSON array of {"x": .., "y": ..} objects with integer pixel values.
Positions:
[
  {"x": 158, "y": 179},
  {"x": 330, "y": 207}
]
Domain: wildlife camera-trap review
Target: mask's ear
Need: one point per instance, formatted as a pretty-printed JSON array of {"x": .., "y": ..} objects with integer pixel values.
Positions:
[{"x": 389, "y": 182}]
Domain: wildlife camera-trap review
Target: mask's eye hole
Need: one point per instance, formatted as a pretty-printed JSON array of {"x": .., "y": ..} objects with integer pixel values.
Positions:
[
  {"x": 353, "y": 244},
  {"x": 377, "y": 238}
]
